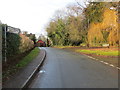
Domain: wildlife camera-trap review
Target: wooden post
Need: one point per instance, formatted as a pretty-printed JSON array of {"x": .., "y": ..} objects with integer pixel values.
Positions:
[{"x": 5, "y": 43}]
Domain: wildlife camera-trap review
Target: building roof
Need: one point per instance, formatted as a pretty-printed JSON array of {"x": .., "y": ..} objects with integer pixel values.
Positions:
[{"x": 40, "y": 41}]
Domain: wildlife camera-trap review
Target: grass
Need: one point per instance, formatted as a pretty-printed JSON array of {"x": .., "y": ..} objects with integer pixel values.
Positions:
[
  {"x": 22, "y": 63},
  {"x": 28, "y": 58},
  {"x": 99, "y": 52},
  {"x": 64, "y": 46},
  {"x": 109, "y": 55}
]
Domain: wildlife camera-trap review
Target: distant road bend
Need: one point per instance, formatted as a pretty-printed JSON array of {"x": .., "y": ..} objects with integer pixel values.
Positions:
[{"x": 63, "y": 69}]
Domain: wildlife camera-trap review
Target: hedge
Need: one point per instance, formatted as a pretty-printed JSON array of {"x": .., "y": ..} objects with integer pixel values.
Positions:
[
  {"x": 16, "y": 44},
  {"x": 13, "y": 44}
]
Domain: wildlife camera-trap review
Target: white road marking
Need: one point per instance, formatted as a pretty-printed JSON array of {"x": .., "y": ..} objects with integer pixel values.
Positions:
[
  {"x": 106, "y": 63},
  {"x": 118, "y": 68},
  {"x": 103, "y": 62},
  {"x": 96, "y": 59},
  {"x": 93, "y": 58},
  {"x": 111, "y": 65}
]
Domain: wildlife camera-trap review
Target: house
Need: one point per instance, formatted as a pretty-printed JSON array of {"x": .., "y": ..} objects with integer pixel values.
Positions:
[{"x": 40, "y": 43}]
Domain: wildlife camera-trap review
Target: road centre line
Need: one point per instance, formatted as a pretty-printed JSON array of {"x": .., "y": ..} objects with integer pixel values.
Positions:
[
  {"x": 118, "y": 68},
  {"x": 104, "y": 62}
]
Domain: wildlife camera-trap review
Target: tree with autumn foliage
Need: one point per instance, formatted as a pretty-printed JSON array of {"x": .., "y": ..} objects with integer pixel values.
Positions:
[{"x": 94, "y": 24}]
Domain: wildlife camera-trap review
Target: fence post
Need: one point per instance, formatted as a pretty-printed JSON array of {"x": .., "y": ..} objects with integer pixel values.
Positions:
[
  {"x": 5, "y": 42},
  {"x": 0, "y": 57},
  {"x": 0, "y": 43}
]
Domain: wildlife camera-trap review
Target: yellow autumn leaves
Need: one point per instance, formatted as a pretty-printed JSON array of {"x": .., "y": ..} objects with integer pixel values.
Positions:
[
  {"x": 109, "y": 24},
  {"x": 26, "y": 43}
]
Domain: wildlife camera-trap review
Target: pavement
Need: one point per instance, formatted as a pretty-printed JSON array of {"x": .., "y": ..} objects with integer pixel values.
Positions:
[
  {"x": 23, "y": 77},
  {"x": 67, "y": 69}
]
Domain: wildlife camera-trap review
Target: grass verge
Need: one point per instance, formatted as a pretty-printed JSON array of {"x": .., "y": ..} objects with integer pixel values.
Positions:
[
  {"x": 62, "y": 47},
  {"x": 22, "y": 63},
  {"x": 99, "y": 52},
  {"x": 28, "y": 58},
  {"x": 109, "y": 55}
]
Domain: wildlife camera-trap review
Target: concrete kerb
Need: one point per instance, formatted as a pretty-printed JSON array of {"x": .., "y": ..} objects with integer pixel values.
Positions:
[{"x": 31, "y": 77}]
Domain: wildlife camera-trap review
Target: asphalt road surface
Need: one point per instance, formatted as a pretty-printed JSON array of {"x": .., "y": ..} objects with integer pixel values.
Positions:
[{"x": 63, "y": 69}]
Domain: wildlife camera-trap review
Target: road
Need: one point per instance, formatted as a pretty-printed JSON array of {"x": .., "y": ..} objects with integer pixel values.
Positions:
[{"x": 63, "y": 69}]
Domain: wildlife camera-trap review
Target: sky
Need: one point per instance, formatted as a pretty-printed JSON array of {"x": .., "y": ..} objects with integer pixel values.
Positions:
[{"x": 30, "y": 15}]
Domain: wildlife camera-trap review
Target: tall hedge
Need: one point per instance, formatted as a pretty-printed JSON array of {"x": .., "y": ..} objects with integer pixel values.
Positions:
[
  {"x": 13, "y": 43},
  {"x": 3, "y": 40},
  {"x": 16, "y": 44},
  {"x": 0, "y": 42}
]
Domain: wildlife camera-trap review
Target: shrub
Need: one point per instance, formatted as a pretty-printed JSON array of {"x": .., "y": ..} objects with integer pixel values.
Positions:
[{"x": 26, "y": 43}]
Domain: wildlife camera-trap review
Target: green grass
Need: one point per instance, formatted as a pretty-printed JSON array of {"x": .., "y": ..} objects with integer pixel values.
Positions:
[
  {"x": 99, "y": 52},
  {"x": 64, "y": 46},
  {"x": 22, "y": 63},
  {"x": 28, "y": 58}
]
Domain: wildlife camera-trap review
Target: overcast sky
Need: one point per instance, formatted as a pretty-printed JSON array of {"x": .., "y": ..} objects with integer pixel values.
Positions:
[{"x": 30, "y": 15}]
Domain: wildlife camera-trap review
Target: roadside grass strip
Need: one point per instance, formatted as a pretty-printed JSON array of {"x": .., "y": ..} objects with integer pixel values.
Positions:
[
  {"x": 62, "y": 47},
  {"x": 22, "y": 63},
  {"x": 100, "y": 52},
  {"x": 28, "y": 58}
]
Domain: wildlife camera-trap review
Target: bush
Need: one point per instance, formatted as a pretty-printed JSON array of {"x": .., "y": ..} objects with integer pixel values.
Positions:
[{"x": 26, "y": 43}]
